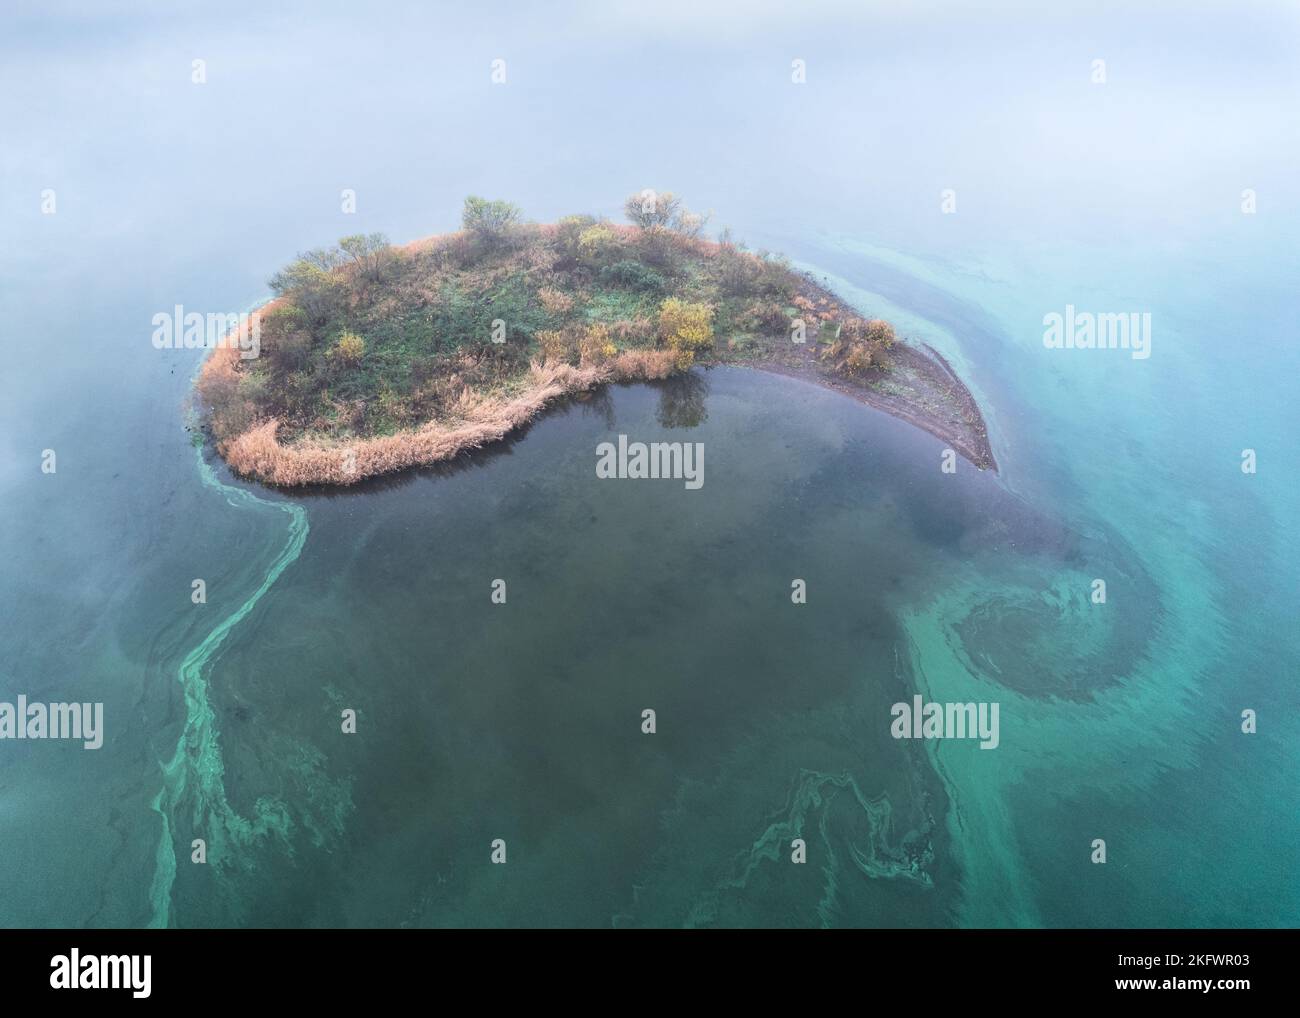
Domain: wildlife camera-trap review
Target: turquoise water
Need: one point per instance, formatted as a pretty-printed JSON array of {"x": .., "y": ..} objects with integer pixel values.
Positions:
[
  {"x": 1148, "y": 462},
  {"x": 522, "y": 721}
]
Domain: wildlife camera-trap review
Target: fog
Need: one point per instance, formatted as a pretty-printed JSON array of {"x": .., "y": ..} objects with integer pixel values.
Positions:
[{"x": 170, "y": 192}]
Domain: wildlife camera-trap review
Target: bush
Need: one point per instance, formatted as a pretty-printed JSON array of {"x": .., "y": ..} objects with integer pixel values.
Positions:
[
  {"x": 596, "y": 346},
  {"x": 312, "y": 285},
  {"x": 283, "y": 319},
  {"x": 632, "y": 275},
  {"x": 738, "y": 270},
  {"x": 424, "y": 369},
  {"x": 634, "y": 330},
  {"x": 558, "y": 345},
  {"x": 596, "y": 244},
  {"x": 556, "y": 303},
  {"x": 767, "y": 317},
  {"x": 857, "y": 361},
  {"x": 879, "y": 333},
  {"x": 775, "y": 277},
  {"x": 686, "y": 328},
  {"x": 567, "y": 232},
  {"x": 228, "y": 395},
  {"x": 350, "y": 349},
  {"x": 289, "y": 351},
  {"x": 859, "y": 346}
]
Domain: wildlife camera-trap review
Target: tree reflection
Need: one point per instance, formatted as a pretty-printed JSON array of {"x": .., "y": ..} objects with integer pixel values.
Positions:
[{"x": 683, "y": 400}]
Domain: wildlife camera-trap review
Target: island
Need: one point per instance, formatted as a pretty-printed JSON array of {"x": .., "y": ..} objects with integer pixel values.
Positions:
[{"x": 374, "y": 358}]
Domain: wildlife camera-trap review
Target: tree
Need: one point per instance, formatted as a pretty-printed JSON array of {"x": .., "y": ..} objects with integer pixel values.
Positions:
[
  {"x": 489, "y": 221},
  {"x": 660, "y": 210},
  {"x": 311, "y": 283},
  {"x": 369, "y": 253},
  {"x": 650, "y": 209}
]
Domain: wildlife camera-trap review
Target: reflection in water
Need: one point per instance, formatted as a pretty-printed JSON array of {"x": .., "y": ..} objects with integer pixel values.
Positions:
[{"x": 683, "y": 400}]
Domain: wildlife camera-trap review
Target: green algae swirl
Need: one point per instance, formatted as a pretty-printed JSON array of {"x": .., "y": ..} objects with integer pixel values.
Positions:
[{"x": 195, "y": 773}]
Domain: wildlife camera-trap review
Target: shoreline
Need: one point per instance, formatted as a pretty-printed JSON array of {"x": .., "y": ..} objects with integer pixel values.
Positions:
[
  {"x": 952, "y": 414},
  {"x": 963, "y": 429},
  {"x": 981, "y": 457}
]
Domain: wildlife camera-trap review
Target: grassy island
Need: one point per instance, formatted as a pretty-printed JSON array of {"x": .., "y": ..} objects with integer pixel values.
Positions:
[{"x": 375, "y": 358}]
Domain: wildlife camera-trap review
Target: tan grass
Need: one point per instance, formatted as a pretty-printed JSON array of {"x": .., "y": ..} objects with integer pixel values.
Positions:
[{"x": 478, "y": 421}]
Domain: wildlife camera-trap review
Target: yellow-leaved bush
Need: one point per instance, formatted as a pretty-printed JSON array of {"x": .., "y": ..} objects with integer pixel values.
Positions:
[
  {"x": 350, "y": 349},
  {"x": 686, "y": 328}
]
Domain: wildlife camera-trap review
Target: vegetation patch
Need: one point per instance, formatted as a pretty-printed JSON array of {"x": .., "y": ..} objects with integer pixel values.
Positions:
[{"x": 376, "y": 357}]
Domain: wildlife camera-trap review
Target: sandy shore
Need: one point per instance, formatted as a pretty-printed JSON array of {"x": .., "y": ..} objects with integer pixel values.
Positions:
[{"x": 936, "y": 401}]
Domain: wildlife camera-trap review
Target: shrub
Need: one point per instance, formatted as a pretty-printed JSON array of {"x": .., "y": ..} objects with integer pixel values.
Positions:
[
  {"x": 876, "y": 333},
  {"x": 567, "y": 232},
  {"x": 424, "y": 369},
  {"x": 632, "y": 275},
  {"x": 228, "y": 396},
  {"x": 283, "y": 319},
  {"x": 859, "y": 346},
  {"x": 286, "y": 341},
  {"x": 741, "y": 272},
  {"x": 857, "y": 361},
  {"x": 596, "y": 244},
  {"x": 776, "y": 278},
  {"x": 349, "y": 349},
  {"x": 767, "y": 317},
  {"x": 311, "y": 284},
  {"x": 557, "y": 345},
  {"x": 634, "y": 330},
  {"x": 686, "y": 328},
  {"x": 690, "y": 224},
  {"x": 596, "y": 346},
  {"x": 879, "y": 333},
  {"x": 555, "y": 302},
  {"x": 289, "y": 351}
]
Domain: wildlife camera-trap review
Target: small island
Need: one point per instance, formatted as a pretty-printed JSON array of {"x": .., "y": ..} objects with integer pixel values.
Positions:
[{"x": 375, "y": 358}]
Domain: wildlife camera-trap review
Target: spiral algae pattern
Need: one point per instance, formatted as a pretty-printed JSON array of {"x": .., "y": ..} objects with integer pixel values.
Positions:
[{"x": 193, "y": 778}]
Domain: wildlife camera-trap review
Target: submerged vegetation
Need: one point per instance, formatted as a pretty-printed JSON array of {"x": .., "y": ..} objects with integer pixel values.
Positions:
[{"x": 376, "y": 357}]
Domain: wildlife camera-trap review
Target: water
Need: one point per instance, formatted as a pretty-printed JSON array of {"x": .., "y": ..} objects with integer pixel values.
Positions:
[{"x": 522, "y": 721}]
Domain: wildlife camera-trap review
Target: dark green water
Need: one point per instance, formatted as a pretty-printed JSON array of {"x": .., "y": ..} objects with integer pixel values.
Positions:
[{"x": 521, "y": 721}]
